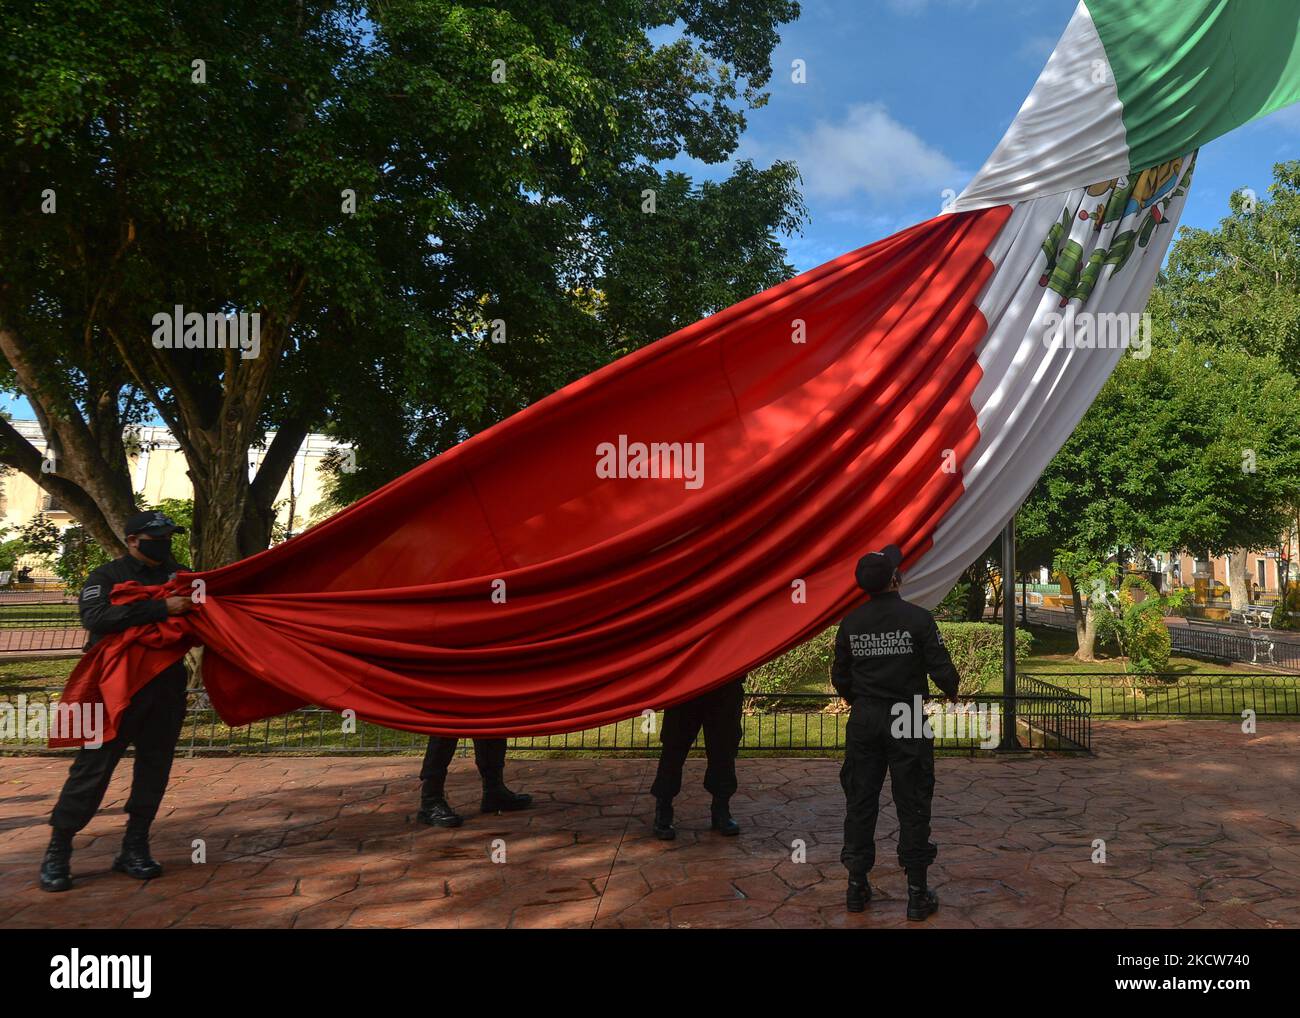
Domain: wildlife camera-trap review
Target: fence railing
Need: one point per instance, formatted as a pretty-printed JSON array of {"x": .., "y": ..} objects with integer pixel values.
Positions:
[
  {"x": 1059, "y": 716},
  {"x": 1180, "y": 694},
  {"x": 37, "y": 595},
  {"x": 1047, "y": 717}
]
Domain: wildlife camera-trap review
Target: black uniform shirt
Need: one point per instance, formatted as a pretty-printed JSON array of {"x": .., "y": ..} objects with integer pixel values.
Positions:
[
  {"x": 98, "y": 613},
  {"x": 885, "y": 648}
]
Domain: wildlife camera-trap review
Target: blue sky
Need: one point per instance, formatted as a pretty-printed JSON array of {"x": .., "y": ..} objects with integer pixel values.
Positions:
[{"x": 905, "y": 98}]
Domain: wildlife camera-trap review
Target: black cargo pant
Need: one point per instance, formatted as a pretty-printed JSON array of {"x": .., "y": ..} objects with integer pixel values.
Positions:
[
  {"x": 718, "y": 713},
  {"x": 489, "y": 756},
  {"x": 870, "y": 749},
  {"x": 152, "y": 724}
]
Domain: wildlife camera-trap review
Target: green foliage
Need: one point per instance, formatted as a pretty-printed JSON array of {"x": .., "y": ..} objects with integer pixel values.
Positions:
[
  {"x": 40, "y": 536},
  {"x": 10, "y": 552},
  {"x": 803, "y": 668},
  {"x": 80, "y": 556},
  {"x": 1286, "y": 612},
  {"x": 496, "y": 155},
  {"x": 1137, "y": 624},
  {"x": 976, "y": 651},
  {"x": 1237, "y": 286},
  {"x": 1195, "y": 448},
  {"x": 1088, "y": 576},
  {"x": 1213, "y": 451},
  {"x": 954, "y": 602}
]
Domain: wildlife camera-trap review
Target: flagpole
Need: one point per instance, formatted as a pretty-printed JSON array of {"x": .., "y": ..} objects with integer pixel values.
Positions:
[{"x": 1009, "y": 742}]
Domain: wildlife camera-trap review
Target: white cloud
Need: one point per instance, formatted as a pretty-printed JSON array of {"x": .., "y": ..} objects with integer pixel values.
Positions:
[{"x": 871, "y": 153}]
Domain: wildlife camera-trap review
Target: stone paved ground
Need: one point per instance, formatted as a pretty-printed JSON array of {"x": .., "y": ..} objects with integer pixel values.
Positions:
[{"x": 1199, "y": 823}]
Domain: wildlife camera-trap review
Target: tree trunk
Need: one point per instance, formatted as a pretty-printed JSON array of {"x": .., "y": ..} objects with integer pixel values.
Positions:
[
  {"x": 259, "y": 507},
  {"x": 975, "y": 596},
  {"x": 1085, "y": 628},
  {"x": 219, "y": 502},
  {"x": 1238, "y": 581}
]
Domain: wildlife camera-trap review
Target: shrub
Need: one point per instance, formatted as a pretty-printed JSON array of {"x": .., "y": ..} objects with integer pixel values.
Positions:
[
  {"x": 1138, "y": 624},
  {"x": 1287, "y": 609},
  {"x": 976, "y": 650},
  {"x": 953, "y": 606},
  {"x": 802, "y": 668}
]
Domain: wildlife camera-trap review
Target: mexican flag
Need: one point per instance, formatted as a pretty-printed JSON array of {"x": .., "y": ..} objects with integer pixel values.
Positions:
[
  {"x": 1091, "y": 178},
  {"x": 690, "y": 511}
]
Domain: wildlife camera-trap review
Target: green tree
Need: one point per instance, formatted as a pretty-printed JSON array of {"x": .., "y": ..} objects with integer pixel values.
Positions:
[
  {"x": 382, "y": 185},
  {"x": 1193, "y": 449},
  {"x": 1237, "y": 287},
  {"x": 1133, "y": 617},
  {"x": 1210, "y": 450},
  {"x": 1071, "y": 521}
]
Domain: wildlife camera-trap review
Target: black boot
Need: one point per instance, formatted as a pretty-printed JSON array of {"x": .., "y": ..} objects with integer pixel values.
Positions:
[
  {"x": 499, "y": 799},
  {"x": 134, "y": 860},
  {"x": 434, "y": 810},
  {"x": 663, "y": 826},
  {"x": 921, "y": 901},
  {"x": 56, "y": 867},
  {"x": 859, "y": 893},
  {"x": 722, "y": 822}
]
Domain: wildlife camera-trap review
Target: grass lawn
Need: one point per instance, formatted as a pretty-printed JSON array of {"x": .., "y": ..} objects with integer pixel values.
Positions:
[{"x": 48, "y": 673}]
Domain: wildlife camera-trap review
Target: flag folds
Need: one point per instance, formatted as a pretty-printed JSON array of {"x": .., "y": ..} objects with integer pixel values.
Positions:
[{"x": 692, "y": 510}]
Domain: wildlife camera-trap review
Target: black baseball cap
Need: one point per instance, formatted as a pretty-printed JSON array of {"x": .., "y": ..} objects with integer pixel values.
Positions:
[
  {"x": 154, "y": 523},
  {"x": 876, "y": 569}
]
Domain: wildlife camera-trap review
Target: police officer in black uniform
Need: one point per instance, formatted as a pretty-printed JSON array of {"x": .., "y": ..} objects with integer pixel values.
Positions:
[
  {"x": 718, "y": 713},
  {"x": 883, "y": 651},
  {"x": 151, "y": 722},
  {"x": 490, "y": 757}
]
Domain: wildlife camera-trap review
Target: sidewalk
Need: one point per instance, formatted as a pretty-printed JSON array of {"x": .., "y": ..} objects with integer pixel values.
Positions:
[{"x": 1198, "y": 820}]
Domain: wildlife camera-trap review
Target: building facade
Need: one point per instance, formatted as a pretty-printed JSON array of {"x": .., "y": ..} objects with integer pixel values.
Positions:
[{"x": 158, "y": 472}]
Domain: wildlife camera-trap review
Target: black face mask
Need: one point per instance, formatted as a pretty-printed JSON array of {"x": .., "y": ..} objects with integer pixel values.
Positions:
[{"x": 157, "y": 548}]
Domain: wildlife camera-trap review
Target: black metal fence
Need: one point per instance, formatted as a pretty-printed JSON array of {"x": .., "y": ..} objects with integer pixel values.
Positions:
[
  {"x": 1180, "y": 694},
  {"x": 37, "y": 595},
  {"x": 1047, "y": 717},
  {"x": 1060, "y": 718}
]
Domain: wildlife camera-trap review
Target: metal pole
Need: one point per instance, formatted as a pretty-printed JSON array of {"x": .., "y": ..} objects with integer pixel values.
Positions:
[{"x": 1009, "y": 742}]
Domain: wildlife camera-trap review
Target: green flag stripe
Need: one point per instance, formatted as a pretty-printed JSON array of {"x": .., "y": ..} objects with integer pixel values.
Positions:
[{"x": 1188, "y": 71}]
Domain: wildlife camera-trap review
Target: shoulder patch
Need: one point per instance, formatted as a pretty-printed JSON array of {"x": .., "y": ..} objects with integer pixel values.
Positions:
[{"x": 90, "y": 592}]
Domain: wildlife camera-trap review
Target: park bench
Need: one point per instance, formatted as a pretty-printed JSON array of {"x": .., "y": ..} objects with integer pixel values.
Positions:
[{"x": 1261, "y": 646}]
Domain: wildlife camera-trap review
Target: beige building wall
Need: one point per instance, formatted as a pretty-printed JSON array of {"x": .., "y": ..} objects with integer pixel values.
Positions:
[{"x": 158, "y": 471}]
